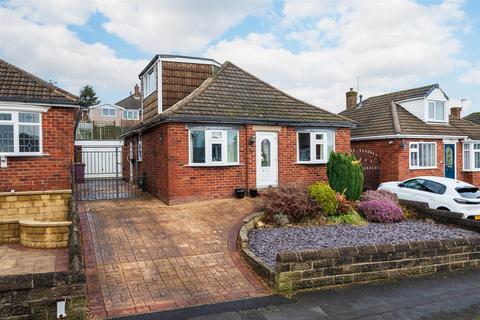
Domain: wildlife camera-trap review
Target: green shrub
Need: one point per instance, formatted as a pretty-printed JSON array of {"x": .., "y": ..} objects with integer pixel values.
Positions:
[
  {"x": 345, "y": 175},
  {"x": 353, "y": 218},
  {"x": 324, "y": 196}
]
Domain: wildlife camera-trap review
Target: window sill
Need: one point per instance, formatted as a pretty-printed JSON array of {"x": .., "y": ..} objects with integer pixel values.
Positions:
[
  {"x": 24, "y": 155},
  {"x": 310, "y": 162},
  {"x": 199, "y": 165},
  {"x": 422, "y": 168},
  {"x": 471, "y": 170}
]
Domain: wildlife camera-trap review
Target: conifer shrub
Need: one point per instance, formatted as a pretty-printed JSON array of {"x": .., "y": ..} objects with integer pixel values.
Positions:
[
  {"x": 345, "y": 175},
  {"x": 325, "y": 196}
]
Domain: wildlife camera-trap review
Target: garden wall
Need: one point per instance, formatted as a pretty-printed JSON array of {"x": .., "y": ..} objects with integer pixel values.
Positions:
[
  {"x": 309, "y": 269},
  {"x": 28, "y": 296}
]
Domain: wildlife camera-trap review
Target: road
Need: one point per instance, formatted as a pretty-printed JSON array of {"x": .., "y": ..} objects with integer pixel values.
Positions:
[{"x": 450, "y": 296}]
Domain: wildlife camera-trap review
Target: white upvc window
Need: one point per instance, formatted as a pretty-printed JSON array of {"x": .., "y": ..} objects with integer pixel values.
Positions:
[
  {"x": 20, "y": 133},
  {"x": 109, "y": 112},
  {"x": 139, "y": 148},
  {"x": 212, "y": 147},
  {"x": 423, "y": 155},
  {"x": 437, "y": 111},
  {"x": 471, "y": 156},
  {"x": 314, "y": 146},
  {"x": 149, "y": 82},
  {"x": 130, "y": 114}
]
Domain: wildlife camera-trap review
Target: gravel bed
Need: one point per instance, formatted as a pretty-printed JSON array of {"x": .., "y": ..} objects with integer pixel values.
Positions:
[{"x": 267, "y": 243}]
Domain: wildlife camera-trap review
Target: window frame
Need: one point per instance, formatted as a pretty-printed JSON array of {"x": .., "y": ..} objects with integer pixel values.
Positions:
[
  {"x": 417, "y": 151},
  {"x": 434, "y": 118},
  {"x": 313, "y": 146},
  {"x": 209, "y": 141},
  {"x": 139, "y": 147},
  {"x": 16, "y": 132},
  {"x": 109, "y": 109},
  {"x": 149, "y": 81},
  {"x": 127, "y": 111},
  {"x": 471, "y": 156}
]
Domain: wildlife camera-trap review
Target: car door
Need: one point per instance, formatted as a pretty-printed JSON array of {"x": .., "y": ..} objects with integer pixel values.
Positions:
[{"x": 412, "y": 190}]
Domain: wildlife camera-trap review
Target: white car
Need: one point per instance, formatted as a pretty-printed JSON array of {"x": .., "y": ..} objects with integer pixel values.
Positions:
[{"x": 439, "y": 193}]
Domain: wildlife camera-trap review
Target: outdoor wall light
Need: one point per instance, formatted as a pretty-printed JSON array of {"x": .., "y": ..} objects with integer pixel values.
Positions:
[{"x": 251, "y": 140}]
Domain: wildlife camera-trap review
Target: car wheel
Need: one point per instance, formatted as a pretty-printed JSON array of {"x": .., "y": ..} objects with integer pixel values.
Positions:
[{"x": 443, "y": 209}]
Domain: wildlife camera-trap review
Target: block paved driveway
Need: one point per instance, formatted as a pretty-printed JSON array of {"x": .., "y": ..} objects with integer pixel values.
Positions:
[{"x": 142, "y": 255}]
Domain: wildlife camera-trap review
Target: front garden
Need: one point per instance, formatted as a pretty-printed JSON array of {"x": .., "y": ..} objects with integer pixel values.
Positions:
[{"x": 333, "y": 233}]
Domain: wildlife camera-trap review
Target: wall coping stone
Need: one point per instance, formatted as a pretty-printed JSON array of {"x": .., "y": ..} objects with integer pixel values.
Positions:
[
  {"x": 32, "y": 193},
  {"x": 35, "y": 223}
]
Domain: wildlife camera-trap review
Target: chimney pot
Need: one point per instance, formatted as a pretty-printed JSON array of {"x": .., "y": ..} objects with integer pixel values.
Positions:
[
  {"x": 456, "y": 112},
  {"x": 351, "y": 99}
]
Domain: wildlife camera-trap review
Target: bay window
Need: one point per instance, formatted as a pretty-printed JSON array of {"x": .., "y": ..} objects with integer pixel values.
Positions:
[
  {"x": 314, "y": 146},
  {"x": 436, "y": 111},
  {"x": 213, "y": 146},
  {"x": 20, "y": 133},
  {"x": 423, "y": 155},
  {"x": 471, "y": 156}
]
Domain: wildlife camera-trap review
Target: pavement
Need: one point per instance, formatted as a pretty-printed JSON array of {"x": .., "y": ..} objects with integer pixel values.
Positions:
[
  {"x": 446, "y": 296},
  {"x": 143, "y": 256}
]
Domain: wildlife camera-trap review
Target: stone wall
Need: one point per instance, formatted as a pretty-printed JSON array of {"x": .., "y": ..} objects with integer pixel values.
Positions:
[
  {"x": 328, "y": 267},
  {"x": 37, "y": 205},
  {"x": 9, "y": 231},
  {"x": 42, "y": 234}
]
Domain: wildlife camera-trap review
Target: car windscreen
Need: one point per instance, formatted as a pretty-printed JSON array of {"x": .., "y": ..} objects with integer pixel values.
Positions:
[{"x": 468, "y": 192}]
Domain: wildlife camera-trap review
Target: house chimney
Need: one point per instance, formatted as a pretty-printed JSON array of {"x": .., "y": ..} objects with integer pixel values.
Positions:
[
  {"x": 456, "y": 112},
  {"x": 351, "y": 98},
  {"x": 136, "y": 90}
]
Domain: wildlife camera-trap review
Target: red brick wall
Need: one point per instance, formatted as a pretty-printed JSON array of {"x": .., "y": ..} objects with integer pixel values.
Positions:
[
  {"x": 170, "y": 178},
  {"x": 394, "y": 160},
  {"x": 50, "y": 172}
]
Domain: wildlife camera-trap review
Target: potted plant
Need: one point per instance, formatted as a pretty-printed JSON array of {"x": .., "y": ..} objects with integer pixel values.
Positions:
[
  {"x": 253, "y": 192},
  {"x": 240, "y": 193}
]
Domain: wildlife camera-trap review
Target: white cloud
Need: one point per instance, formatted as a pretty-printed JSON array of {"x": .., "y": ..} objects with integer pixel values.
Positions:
[
  {"x": 392, "y": 44},
  {"x": 55, "y": 53},
  {"x": 175, "y": 26},
  {"x": 472, "y": 76}
]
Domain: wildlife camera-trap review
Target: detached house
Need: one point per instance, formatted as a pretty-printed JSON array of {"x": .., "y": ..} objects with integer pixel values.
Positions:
[
  {"x": 414, "y": 133},
  {"x": 209, "y": 128}
]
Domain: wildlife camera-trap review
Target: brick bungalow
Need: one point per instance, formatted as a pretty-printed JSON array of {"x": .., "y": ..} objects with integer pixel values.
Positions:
[
  {"x": 414, "y": 133},
  {"x": 209, "y": 128},
  {"x": 37, "y": 122}
]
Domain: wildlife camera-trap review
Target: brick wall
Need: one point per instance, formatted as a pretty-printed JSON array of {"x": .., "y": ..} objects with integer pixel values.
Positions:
[
  {"x": 49, "y": 172},
  {"x": 170, "y": 178}
]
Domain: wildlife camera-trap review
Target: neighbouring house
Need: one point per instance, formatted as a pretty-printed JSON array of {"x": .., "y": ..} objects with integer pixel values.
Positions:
[
  {"x": 37, "y": 121},
  {"x": 473, "y": 117},
  {"x": 415, "y": 132},
  {"x": 210, "y": 128}
]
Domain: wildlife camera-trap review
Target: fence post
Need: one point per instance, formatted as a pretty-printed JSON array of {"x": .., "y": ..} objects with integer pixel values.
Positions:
[{"x": 116, "y": 169}]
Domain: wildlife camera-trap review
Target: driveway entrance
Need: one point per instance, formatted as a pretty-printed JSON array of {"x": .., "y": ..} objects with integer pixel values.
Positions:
[{"x": 143, "y": 256}]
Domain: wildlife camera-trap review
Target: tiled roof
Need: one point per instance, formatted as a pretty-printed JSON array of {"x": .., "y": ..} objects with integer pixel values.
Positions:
[
  {"x": 130, "y": 102},
  {"x": 382, "y": 115},
  {"x": 473, "y": 117},
  {"x": 20, "y": 86},
  {"x": 234, "y": 95}
]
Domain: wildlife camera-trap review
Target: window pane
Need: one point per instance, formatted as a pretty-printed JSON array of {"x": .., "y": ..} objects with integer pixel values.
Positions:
[
  {"x": 304, "y": 146},
  {"x": 466, "y": 160},
  {"x": 6, "y": 138},
  {"x": 319, "y": 151},
  {"x": 198, "y": 146},
  {"x": 112, "y": 112},
  {"x": 28, "y": 117},
  {"x": 216, "y": 135},
  {"x": 431, "y": 110},
  {"x": 265, "y": 162},
  {"x": 414, "y": 159},
  {"x": 5, "y": 116},
  {"x": 319, "y": 136},
  {"x": 439, "y": 110},
  {"x": 232, "y": 143},
  {"x": 477, "y": 160},
  {"x": 330, "y": 143},
  {"x": 29, "y": 138},
  {"x": 216, "y": 152}
]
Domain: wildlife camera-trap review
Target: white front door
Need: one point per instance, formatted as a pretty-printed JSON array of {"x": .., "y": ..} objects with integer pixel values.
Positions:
[{"x": 267, "y": 159}]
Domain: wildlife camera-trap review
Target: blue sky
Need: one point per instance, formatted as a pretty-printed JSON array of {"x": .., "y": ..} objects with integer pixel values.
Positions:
[{"x": 314, "y": 50}]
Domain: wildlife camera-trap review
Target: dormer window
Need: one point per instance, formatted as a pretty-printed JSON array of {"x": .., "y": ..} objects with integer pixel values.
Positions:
[
  {"x": 437, "y": 111},
  {"x": 149, "y": 82}
]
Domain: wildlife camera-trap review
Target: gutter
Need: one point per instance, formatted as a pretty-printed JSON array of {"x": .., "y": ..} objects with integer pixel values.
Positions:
[{"x": 406, "y": 136}]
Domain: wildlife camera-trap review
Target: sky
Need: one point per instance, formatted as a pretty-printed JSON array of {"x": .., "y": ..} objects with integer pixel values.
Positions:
[{"x": 313, "y": 50}]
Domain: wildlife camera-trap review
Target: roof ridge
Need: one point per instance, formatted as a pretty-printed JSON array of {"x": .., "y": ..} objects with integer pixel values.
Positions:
[
  {"x": 40, "y": 81},
  {"x": 435, "y": 85}
]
